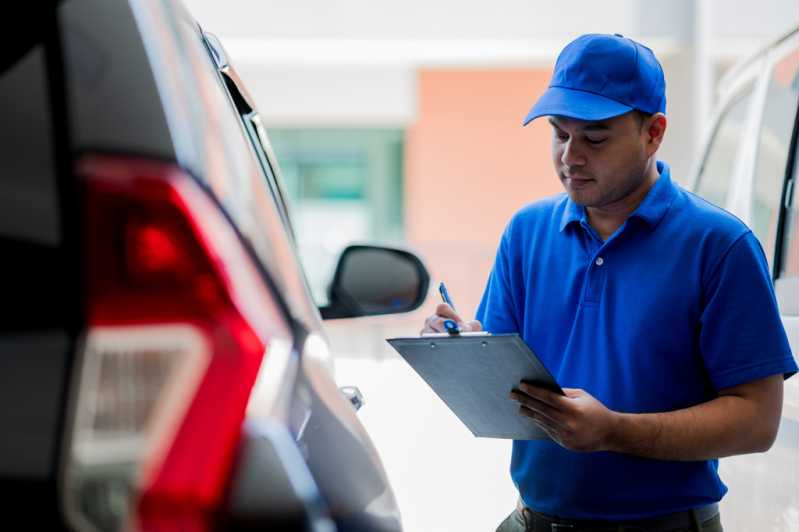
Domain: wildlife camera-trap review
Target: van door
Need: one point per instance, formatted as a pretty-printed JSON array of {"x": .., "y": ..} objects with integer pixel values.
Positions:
[{"x": 764, "y": 488}]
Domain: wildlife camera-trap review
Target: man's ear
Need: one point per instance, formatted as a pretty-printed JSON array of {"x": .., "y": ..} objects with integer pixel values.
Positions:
[{"x": 655, "y": 127}]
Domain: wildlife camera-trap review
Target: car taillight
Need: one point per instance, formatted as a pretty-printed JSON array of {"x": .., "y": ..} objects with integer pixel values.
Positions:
[{"x": 179, "y": 321}]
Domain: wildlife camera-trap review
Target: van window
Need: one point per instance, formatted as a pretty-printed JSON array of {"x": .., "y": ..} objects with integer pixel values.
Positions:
[
  {"x": 772, "y": 150},
  {"x": 717, "y": 167},
  {"x": 790, "y": 247}
]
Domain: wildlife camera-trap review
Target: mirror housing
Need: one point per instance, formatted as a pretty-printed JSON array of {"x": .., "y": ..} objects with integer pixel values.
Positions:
[{"x": 375, "y": 280}]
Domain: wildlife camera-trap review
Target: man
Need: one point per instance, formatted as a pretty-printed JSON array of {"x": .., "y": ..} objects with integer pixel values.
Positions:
[{"x": 652, "y": 308}]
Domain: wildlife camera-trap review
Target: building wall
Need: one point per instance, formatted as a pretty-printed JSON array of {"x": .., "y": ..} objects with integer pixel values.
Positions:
[
  {"x": 459, "y": 77},
  {"x": 469, "y": 166}
]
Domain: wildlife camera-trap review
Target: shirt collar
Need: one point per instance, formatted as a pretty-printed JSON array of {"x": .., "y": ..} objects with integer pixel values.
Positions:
[
  {"x": 651, "y": 210},
  {"x": 572, "y": 213}
]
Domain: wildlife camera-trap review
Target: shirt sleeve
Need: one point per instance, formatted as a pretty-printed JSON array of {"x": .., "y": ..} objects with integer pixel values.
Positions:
[
  {"x": 742, "y": 338},
  {"x": 496, "y": 311}
]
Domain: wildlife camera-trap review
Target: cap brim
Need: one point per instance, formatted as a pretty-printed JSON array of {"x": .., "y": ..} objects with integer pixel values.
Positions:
[{"x": 581, "y": 105}]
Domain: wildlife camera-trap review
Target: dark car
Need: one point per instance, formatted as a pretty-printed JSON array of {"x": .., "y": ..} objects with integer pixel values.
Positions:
[{"x": 162, "y": 362}]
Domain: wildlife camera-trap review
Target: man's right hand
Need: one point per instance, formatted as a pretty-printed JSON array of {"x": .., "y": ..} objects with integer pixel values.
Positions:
[{"x": 435, "y": 323}]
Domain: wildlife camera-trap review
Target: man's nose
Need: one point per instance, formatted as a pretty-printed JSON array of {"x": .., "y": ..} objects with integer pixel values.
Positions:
[{"x": 572, "y": 155}]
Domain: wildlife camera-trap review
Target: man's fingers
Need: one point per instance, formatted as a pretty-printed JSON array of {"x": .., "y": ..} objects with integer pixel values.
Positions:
[
  {"x": 548, "y": 425},
  {"x": 535, "y": 405},
  {"x": 435, "y": 323},
  {"x": 445, "y": 311},
  {"x": 472, "y": 326},
  {"x": 545, "y": 396}
]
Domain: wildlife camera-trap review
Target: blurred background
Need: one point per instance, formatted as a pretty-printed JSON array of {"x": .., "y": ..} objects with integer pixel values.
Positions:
[{"x": 401, "y": 122}]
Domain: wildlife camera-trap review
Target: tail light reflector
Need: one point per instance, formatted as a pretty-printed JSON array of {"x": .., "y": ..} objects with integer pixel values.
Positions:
[{"x": 179, "y": 322}]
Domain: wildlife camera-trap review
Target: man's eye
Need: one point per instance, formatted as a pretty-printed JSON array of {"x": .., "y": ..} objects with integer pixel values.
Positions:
[
  {"x": 595, "y": 141},
  {"x": 562, "y": 136}
]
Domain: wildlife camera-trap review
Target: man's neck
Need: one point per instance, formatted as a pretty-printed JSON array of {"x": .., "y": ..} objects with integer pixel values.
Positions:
[{"x": 608, "y": 218}]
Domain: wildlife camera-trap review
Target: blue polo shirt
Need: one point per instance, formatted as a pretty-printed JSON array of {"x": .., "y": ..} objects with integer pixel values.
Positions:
[{"x": 674, "y": 306}]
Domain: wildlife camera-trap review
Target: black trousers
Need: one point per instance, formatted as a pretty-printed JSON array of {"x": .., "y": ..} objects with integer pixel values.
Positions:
[{"x": 517, "y": 522}]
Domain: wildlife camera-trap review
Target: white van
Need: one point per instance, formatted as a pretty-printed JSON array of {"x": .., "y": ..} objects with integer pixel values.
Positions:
[{"x": 749, "y": 165}]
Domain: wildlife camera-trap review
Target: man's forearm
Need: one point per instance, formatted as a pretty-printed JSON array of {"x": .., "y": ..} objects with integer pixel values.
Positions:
[{"x": 728, "y": 425}]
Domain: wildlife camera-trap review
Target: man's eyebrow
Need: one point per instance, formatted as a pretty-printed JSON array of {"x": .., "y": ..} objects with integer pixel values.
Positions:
[
  {"x": 596, "y": 126},
  {"x": 590, "y": 126}
]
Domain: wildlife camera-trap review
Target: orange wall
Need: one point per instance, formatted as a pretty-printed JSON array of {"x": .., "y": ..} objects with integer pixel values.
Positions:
[{"x": 469, "y": 166}]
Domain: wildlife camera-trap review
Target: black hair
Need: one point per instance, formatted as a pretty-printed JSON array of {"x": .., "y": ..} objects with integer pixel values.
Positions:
[{"x": 642, "y": 116}]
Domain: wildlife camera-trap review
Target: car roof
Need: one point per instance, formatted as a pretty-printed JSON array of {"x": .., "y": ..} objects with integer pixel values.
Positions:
[{"x": 742, "y": 65}]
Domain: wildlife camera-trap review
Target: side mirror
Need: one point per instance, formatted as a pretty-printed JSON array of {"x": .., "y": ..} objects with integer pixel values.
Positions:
[{"x": 373, "y": 280}]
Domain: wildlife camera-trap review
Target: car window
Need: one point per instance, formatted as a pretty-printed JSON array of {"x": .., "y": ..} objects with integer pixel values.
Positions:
[
  {"x": 28, "y": 189},
  {"x": 242, "y": 188},
  {"x": 717, "y": 167},
  {"x": 254, "y": 128},
  {"x": 773, "y": 147},
  {"x": 260, "y": 142}
]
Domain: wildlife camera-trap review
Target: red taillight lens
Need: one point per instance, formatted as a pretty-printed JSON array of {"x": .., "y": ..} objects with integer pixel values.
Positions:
[
  {"x": 151, "y": 251},
  {"x": 179, "y": 320}
]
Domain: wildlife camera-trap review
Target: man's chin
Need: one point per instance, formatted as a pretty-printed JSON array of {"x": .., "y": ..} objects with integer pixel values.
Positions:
[
  {"x": 581, "y": 191},
  {"x": 581, "y": 198}
]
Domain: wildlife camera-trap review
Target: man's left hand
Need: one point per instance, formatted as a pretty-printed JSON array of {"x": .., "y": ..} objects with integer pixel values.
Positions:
[{"x": 576, "y": 421}]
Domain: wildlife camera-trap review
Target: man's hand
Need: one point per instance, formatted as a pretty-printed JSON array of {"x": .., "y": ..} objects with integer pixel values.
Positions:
[
  {"x": 435, "y": 323},
  {"x": 577, "y": 421},
  {"x": 702, "y": 432}
]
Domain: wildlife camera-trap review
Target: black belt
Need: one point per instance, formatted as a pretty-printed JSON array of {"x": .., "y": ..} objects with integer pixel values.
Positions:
[{"x": 538, "y": 522}]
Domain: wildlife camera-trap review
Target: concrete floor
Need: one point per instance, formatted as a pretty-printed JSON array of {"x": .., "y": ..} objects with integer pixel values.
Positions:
[{"x": 446, "y": 480}]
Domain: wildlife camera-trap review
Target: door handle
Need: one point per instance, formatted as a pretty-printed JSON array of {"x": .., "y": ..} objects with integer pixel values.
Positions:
[{"x": 354, "y": 395}]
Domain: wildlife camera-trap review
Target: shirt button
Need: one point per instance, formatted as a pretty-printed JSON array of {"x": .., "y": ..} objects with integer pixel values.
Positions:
[{"x": 599, "y": 261}]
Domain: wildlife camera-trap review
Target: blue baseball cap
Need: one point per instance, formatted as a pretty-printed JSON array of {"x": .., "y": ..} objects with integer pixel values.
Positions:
[{"x": 601, "y": 76}]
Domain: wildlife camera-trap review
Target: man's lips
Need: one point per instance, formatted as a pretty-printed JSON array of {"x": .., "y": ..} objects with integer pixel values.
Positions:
[
  {"x": 576, "y": 179},
  {"x": 574, "y": 183}
]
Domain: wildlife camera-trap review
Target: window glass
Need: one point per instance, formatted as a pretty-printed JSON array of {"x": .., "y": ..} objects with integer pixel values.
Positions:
[
  {"x": 790, "y": 250},
  {"x": 344, "y": 185},
  {"x": 717, "y": 168},
  {"x": 235, "y": 177},
  {"x": 772, "y": 151},
  {"x": 28, "y": 189},
  {"x": 266, "y": 155}
]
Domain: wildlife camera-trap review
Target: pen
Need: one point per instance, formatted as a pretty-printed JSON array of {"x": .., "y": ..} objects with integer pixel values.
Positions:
[
  {"x": 449, "y": 325},
  {"x": 445, "y": 295}
]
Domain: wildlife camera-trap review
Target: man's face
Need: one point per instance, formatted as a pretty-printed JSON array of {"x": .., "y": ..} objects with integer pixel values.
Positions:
[{"x": 600, "y": 163}]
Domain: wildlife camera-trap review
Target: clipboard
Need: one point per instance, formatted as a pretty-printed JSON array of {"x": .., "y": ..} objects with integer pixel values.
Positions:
[{"x": 473, "y": 373}]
